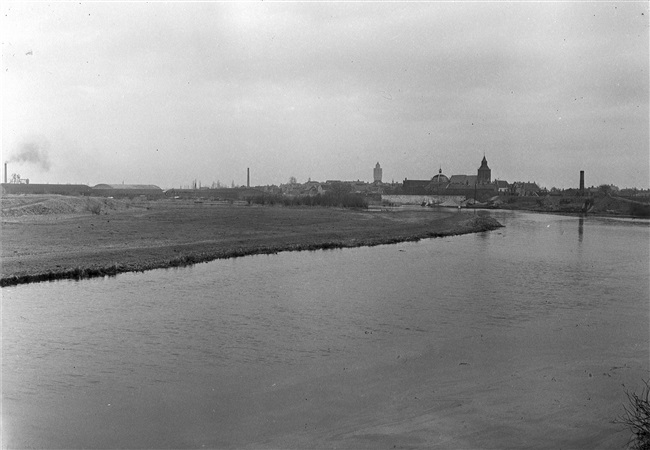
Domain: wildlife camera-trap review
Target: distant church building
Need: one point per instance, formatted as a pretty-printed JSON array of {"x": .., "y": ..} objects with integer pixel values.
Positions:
[
  {"x": 484, "y": 173},
  {"x": 377, "y": 173},
  {"x": 479, "y": 186},
  {"x": 440, "y": 178}
]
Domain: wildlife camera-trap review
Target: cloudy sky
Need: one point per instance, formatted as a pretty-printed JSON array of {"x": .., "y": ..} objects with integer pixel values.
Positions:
[{"x": 166, "y": 93}]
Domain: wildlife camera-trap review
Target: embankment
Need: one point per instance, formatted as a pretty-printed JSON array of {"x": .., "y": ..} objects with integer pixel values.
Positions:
[
  {"x": 600, "y": 205},
  {"x": 172, "y": 234}
]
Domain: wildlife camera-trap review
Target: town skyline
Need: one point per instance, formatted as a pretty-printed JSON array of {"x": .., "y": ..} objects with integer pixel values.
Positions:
[{"x": 233, "y": 182}]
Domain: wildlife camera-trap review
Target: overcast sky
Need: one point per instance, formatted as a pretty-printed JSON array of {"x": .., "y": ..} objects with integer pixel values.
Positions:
[{"x": 165, "y": 93}]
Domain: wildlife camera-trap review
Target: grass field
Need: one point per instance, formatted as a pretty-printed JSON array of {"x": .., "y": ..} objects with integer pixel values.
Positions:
[{"x": 52, "y": 242}]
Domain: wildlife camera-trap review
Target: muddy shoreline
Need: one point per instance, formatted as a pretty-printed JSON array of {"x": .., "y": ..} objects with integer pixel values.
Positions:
[{"x": 160, "y": 236}]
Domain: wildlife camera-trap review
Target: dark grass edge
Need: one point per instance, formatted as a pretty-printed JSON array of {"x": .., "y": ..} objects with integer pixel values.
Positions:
[{"x": 476, "y": 225}]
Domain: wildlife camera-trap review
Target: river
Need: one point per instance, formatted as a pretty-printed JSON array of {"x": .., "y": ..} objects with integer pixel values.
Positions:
[{"x": 527, "y": 336}]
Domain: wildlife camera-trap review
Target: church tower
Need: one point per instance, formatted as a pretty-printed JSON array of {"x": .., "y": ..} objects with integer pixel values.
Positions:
[
  {"x": 484, "y": 173},
  {"x": 377, "y": 173}
]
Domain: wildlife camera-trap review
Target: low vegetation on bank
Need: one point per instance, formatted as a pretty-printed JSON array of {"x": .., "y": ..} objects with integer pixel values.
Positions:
[
  {"x": 52, "y": 205},
  {"x": 636, "y": 418},
  {"x": 341, "y": 200},
  {"x": 174, "y": 234}
]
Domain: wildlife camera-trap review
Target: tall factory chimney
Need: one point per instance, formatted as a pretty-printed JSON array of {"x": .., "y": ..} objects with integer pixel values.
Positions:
[
  {"x": 582, "y": 182},
  {"x": 248, "y": 177},
  {"x": 5, "y": 173}
]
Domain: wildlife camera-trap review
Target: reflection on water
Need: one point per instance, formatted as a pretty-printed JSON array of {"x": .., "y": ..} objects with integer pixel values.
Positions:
[
  {"x": 152, "y": 340},
  {"x": 581, "y": 228}
]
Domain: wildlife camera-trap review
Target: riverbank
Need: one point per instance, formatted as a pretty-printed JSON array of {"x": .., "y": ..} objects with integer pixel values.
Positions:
[
  {"x": 163, "y": 234},
  {"x": 601, "y": 205}
]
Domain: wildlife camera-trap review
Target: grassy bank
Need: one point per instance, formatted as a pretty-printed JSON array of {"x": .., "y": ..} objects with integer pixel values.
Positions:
[{"x": 173, "y": 234}]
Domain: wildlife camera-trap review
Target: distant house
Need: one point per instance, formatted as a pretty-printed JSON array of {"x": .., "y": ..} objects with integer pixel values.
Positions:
[
  {"x": 291, "y": 189},
  {"x": 375, "y": 189},
  {"x": 360, "y": 187},
  {"x": 272, "y": 189},
  {"x": 415, "y": 187},
  {"x": 526, "y": 189},
  {"x": 312, "y": 188},
  {"x": 502, "y": 186}
]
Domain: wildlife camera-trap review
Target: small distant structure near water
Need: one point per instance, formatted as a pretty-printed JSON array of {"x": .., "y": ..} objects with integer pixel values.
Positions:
[{"x": 150, "y": 191}]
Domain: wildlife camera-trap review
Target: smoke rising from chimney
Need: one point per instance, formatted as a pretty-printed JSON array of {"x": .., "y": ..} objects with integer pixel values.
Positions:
[{"x": 34, "y": 151}]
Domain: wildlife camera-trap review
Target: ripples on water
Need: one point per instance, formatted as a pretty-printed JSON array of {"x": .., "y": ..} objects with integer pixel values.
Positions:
[{"x": 294, "y": 309}]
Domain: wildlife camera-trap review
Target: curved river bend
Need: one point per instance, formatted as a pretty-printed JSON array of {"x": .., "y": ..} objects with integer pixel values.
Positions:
[{"x": 517, "y": 337}]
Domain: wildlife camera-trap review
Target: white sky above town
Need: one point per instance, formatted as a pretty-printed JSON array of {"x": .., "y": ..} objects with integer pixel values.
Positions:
[{"x": 166, "y": 93}]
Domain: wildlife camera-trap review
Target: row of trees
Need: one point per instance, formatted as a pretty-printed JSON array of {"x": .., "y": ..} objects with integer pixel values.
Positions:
[
  {"x": 332, "y": 199},
  {"x": 196, "y": 184}
]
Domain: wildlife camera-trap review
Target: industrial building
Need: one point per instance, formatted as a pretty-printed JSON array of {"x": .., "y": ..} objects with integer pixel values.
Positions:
[
  {"x": 149, "y": 191},
  {"x": 33, "y": 188}
]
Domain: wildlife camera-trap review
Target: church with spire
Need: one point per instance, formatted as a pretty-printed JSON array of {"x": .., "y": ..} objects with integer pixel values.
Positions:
[
  {"x": 456, "y": 184},
  {"x": 483, "y": 177},
  {"x": 484, "y": 173}
]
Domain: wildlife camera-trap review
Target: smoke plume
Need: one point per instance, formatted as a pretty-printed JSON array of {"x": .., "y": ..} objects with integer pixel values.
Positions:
[{"x": 34, "y": 151}]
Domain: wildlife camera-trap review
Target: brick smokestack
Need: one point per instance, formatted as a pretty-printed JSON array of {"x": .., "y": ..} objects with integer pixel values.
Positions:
[
  {"x": 248, "y": 177},
  {"x": 582, "y": 181},
  {"x": 5, "y": 173}
]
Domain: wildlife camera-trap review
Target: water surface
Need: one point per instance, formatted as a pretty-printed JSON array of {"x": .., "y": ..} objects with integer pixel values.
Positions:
[{"x": 185, "y": 357}]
